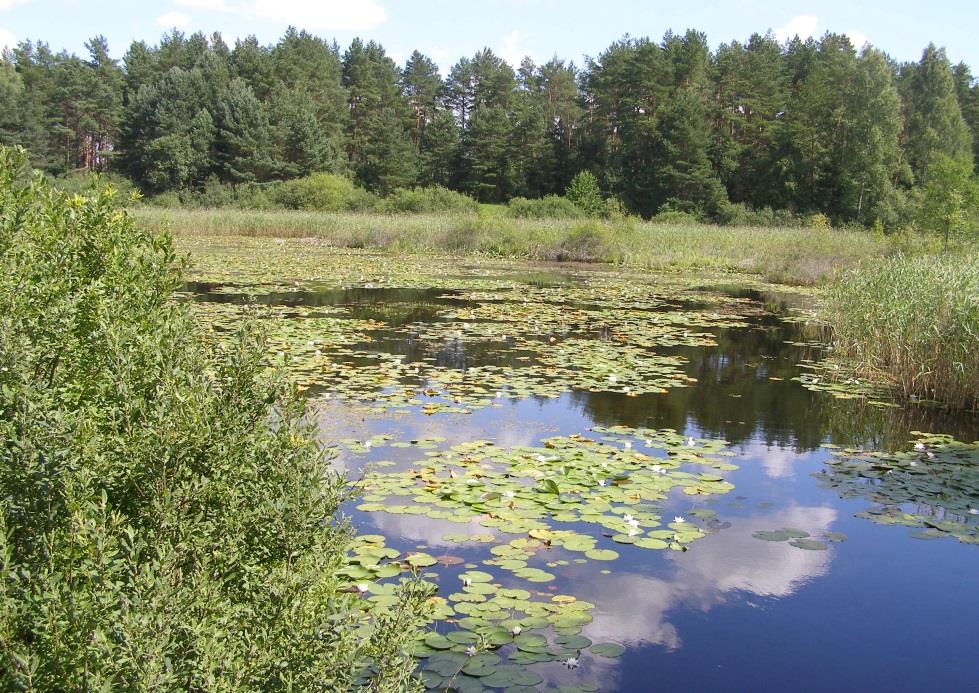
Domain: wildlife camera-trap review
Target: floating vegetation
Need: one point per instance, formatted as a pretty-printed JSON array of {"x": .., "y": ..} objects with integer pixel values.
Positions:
[
  {"x": 537, "y": 503},
  {"x": 833, "y": 379},
  {"x": 485, "y": 338},
  {"x": 798, "y": 538},
  {"x": 503, "y": 528},
  {"x": 934, "y": 486}
]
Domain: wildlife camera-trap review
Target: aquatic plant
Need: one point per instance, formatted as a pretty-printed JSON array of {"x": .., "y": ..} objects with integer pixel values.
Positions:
[{"x": 913, "y": 322}]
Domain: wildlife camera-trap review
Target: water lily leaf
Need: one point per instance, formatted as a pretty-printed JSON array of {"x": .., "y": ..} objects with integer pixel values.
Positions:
[
  {"x": 420, "y": 560},
  {"x": 549, "y": 486},
  {"x": 772, "y": 535},
  {"x": 608, "y": 649},
  {"x": 601, "y": 554},
  {"x": 808, "y": 544}
]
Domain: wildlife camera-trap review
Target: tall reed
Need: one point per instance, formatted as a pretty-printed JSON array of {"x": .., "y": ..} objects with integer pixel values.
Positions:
[
  {"x": 914, "y": 321},
  {"x": 787, "y": 255}
]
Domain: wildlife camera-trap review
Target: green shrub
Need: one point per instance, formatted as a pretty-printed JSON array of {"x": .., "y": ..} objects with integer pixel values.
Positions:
[
  {"x": 819, "y": 221},
  {"x": 586, "y": 194},
  {"x": 913, "y": 321},
  {"x": 584, "y": 243},
  {"x": 320, "y": 192},
  {"x": 167, "y": 517},
  {"x": 675, "y": 217},
  {"x": 431, "y": 200},
  {"x": 550, "y": 207},
  {"x": 84, "y": 182},
  {"x": 615, "y": 210}
]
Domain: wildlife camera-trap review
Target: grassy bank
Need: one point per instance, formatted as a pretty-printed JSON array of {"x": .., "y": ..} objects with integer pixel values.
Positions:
[
  {"x": 791, "y": 256},
  {"x": 914, "y": 322}
]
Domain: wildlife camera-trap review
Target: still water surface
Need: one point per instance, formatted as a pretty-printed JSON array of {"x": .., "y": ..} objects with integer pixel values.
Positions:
[{"x": 881, "y": 610}]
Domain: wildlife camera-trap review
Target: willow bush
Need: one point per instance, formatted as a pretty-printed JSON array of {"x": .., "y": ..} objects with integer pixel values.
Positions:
[
  {"x": 913, "y": 321},
  {"x": 167, "y": 518}
]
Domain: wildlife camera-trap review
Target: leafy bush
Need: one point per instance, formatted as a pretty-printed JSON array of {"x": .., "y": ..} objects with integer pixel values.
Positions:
[
  {"x": 675, "y": 217},
  {"x": 429, "y": 201},
  {"x": 586, "y": 194},
  {"x": 819, "y": 221},
  {"x": 584, "y": 243},
  {"x": 320, "y": 192},
  {"x": 167, "y": 518},
  {"x": 913, "y": 321},
  {"x": 615, "y": 210},
  {"x": 550, "y": 207},
  {"x": 84, "y": 182}
]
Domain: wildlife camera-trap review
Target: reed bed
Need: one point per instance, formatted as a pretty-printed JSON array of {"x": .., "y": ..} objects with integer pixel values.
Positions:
[
  {"x": 913, "y": 321},
  {"x": 790, "y": 256}
]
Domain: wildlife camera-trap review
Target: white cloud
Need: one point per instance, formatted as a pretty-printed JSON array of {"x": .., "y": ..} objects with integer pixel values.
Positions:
[
  {"x": 7, "y": 4},
  {"x": 208, "y": 5},
  {"x": 512, "y": 48},
  {"x": 320, "y": 14},
  {"x": 857, "y": 38},
  {"x": 174, "y": 20},
  {"x": 804, "y": 26},
  {"x": 7, "y": 39}
]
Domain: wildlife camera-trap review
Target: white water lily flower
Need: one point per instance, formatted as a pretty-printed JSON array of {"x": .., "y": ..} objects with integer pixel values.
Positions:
[
  {"x": 634, "y": 523},
  {"x": 920, "y": 447},
  {"x": 499, "y": 395},
  {"x": 516, "y": 630},
  {"x": 628, "y": 519},
  {"x": 467, "y": 582},
  {"x": 679, "y": 519},
  {"x": 310, "y": 343},
  {"x": 632, "y": 532},
  {"x": 471, "y": 650},
  {"x": 571, "y": 662},
  {"x": 509, "y": 494},
  {"x": 628, "y": 445},
  {"x": 691, "y": 442},
  {"x": 930, "y": 454},
  {"x": 648, "y": 443},
  {"x": 363, "y": 587},
  {"x": 319, "y": 353},
  {"x": 541, "y": 458},
  {"x": 612, "y": 378},
  {"x": 601, "y": 482},
  {"x": 973, "y": 511}
]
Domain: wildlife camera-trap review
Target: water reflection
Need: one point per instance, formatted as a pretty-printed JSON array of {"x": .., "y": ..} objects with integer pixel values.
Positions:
[{"x": 666, "y": 604}]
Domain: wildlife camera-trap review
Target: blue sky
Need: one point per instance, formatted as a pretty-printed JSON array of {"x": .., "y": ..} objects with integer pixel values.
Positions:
[{"x": 447, "y": 29}]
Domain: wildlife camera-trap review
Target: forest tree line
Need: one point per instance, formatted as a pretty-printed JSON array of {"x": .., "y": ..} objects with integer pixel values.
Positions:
[{"x": 814, "y": 126}]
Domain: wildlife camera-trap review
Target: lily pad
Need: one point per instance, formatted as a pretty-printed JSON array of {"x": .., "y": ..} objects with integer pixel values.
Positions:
[{"x": 608, "y": 649}]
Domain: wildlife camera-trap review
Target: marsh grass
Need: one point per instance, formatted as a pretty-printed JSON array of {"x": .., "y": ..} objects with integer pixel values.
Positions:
[
  {"x": 791, "y": 256},
  {"x": 913, "y": 321}
]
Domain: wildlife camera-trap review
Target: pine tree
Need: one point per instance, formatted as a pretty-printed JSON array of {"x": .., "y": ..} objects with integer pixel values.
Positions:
[
  {"x": 934, "y": 122},
  {"x": 242, "y": 136},
  {"x": 967, "y": 92},
  {"x": 438, "y": 161},
  {"x": 684, "y": 177},
  {"x": 421, "y": 85},
  {"x": 379, "y": 150}
]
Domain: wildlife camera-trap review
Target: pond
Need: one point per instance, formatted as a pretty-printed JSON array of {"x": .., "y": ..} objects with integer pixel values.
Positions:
[{"x": 622, "y": 481}]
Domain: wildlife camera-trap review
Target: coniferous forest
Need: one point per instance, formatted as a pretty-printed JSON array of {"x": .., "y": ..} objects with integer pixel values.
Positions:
[{"x": 815, "y": 126}]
